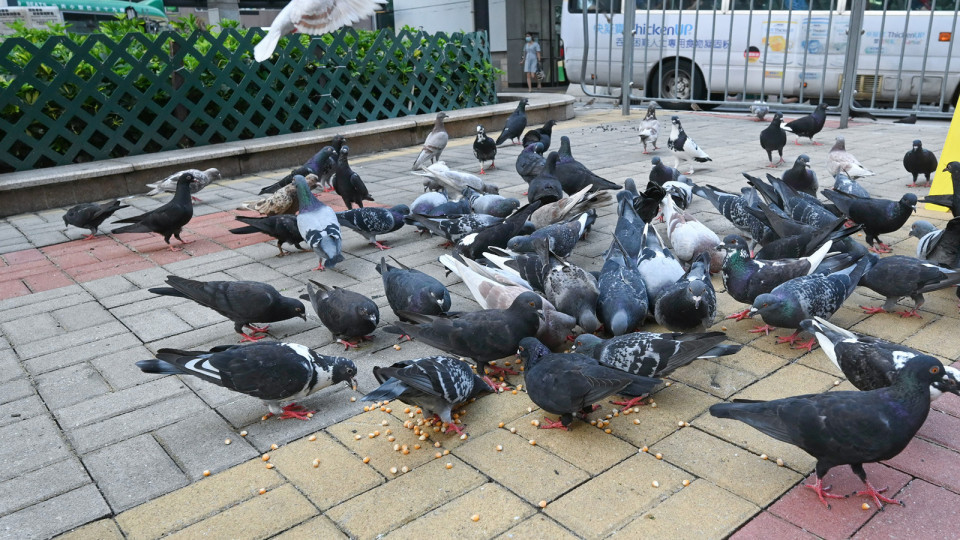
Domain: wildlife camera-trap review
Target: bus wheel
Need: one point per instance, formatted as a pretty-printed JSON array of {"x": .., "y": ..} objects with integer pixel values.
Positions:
[{"x": 677, "y": 79}]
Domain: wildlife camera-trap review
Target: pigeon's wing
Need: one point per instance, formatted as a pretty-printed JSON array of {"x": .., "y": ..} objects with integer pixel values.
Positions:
[
  {"x": 441, "y": 376},
  {"x": 271, "y": 373},
  {"x": 317, "y": 17}
]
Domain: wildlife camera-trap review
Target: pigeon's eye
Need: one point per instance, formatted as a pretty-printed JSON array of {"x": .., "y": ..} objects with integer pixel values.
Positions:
[
  {"x": 934, "y": 370},
  {"x": 533, "y": 304}
]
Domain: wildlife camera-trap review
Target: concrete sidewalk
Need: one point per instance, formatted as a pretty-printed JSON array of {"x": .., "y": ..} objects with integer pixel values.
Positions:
[{"x": 96, "y": 449}]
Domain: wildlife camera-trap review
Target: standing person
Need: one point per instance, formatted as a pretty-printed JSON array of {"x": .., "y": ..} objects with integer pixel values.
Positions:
[{"x": 531, "y": 60}]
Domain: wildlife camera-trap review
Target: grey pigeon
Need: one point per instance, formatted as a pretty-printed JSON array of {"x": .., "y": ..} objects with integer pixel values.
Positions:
[
  {"x": 202, "y": 179},
  {"x": 531, "y": 162},
  {"x": 844, "y": 184},
  {"x": 574, "y": 175},
  {"x": 454, "y": 182},
  {"x": 539, "y": 135},
  {"x": 578, "y": 203},
  {"x": 474, "y": 244},
  {"x": 840, "y": 160},
  {"x": 774, "y": 138},
  {"x": 516, "y": 123},
  {"x": 349, "y": 316},
  {"x": 847, "y": 428},
  {"x": 568, "y": 385},
  {"x": 427, "y": 202},
  {"x": 573, "y": 290},
  {"x": 318, "y": 226},
  {"x": 272, "y": 372},
  {"x": 898, "y": 276},
  {"x": 630, "y": 226},
  {"x": 456, "y": 227},
  {"x": 759, "y": 110},
  {"x": 435, "y": 143},
  {"x": 91, "y": 215},
  {"x": 909, "y": 119},
  {"x": 951, "y": 201},
  {"x": 801, "y": 177},
  {"x": 484, "y": 149},
  {"x": 735, "y": 208},
  {"x": 683, "y": 147},
  {"x": 878, "y": 216},
  {"x": 870, "y": 363},
  {"x": 323, "y": 164},
  {"x": 939, "y": 247},
  {"x": 690, "y": 303},
  {"x": 243, "y": 302},
  {"x": 809, "y": 125},
  {"x": 661, "y": 173},
  {"x": 659, "y": 268},
  {"x": 167, "y": 220},
  {"x": 490, "y": 204},
  {"x": 562, "y": 237},
  {"x": 312, "y": 17},
  {"x": 796, "y": 239},
  {"x": 410, "y": 290},
  {"x": 283, "y": 227},
  {"x": 650, "y": 127},
  {"x": 348, "y": 184},
  {"x": 623, "y": 301},
  {"x": 798, "y": 205},
  {"x": 436, "y": 384},
  {"x": 546, "y": 187},
  {"x": 919, "y": 161},
  {"x": 370, "y": 222}
]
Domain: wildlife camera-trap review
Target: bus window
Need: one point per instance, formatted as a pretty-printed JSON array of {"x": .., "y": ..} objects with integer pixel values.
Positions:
[
  {"x": 576, "y": 6},
  {"x": 782, "y": 5}
]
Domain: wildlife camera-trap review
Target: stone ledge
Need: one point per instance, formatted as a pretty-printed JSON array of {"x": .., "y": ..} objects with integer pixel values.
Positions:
[{"x": 40, "y": 189}]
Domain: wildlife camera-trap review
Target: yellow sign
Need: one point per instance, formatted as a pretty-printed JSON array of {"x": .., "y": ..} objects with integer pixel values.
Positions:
[{"x": 942, "y": 181}]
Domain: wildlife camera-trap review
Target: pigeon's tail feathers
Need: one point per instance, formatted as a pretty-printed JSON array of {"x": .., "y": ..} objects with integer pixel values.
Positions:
[
  {"x": 132, "y": 228},
  {"x": 157, "y": 366},
  {"x": 167, "y": 291},
  {"x": 338, "y": 258},
  {"x": 834, "y": 263},
  {"x": 249, "y": 229},
  {"x": 756, "y": 414},
  {"x": 786, "y": 128},
  {"x": 861, "y": 268},
  {"x": 817, "y": 257},
  {"x": 721, "y": 350},
  {"x": 702, "y": 159},
  {"x": 828, "y": 335},
  {"x": 390, "y": 390},
  {"x": 264, "y": 49},
  {"x": 706, "y": 193}
]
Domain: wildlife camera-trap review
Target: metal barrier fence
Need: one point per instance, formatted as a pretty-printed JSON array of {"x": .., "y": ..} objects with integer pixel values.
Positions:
[{"x": 897, "y": 55}]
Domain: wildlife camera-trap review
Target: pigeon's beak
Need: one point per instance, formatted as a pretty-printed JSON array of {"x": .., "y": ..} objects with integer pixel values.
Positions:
[
  {"x": 303, "y": 316},
  {"x": 752, "y": 312},
  {"x": 696, "y": 301},
  {"x": 540, "y": 314},
  {"x": 353, "y": 384}
]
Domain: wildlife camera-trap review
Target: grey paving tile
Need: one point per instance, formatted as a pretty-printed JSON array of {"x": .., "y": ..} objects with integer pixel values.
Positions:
[
  {"x": 24, "y": 330},
  {"x": 15, "y": 389},
  {"x": 41, "y": 484},
  {"x": 21, "y": 409},
  {"x": 119, "y": 368},
  {"x": 20, "y": 307},
  {"x": 41, "y": 435},
  {"x": 70, "y": 385},
  {"x": 196, "y": 444},
  {"x": 81, "y": 353},
  {"x": 110, "y": 405},
  {"x": 133, "y": 472},
  {"x": 108, "y": 286},
  {"x": 82, "y": 316},
  {"x": 68, "y": 340},
  {"x": 155, "y": 324},
  {"x": 54, "y": 516},
  {"x": 10, "y": 368}
]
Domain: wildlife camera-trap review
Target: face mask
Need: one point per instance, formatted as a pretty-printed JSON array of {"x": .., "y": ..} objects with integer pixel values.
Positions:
[{"x": 528, "y": 39}]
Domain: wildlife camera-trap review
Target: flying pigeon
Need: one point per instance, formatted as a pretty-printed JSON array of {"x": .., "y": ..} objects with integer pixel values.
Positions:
[
  {"x": 659, "y": 268},
  {"x": 801, "y": 177},
  {"x": 840, "y": 160},
  {"x": 574, "y": 175},
  {"x": 650, "y": 127},
  {"x": 878, "y": 216},
  {"x": 898, "y": 276},
  {"x": 455, "y": 182},
  {"x": 410, "y": 290},
  {"x": 539, "y": 135},
  {"x": 318, "y": 226},
  {"x": 323, "y": 164},
  {"x": 683, "y": 146},
  {"x": 759, "y": 110},
  {"x": 919, "y": 161},
  {"x": 690, "y": 303},
  {"x": 809, "y": 125},
  {"x": 91, "y": 215},
  {"x": 273, "y": 372},
  {"x": 844, "y": 184},
  {"x": 167, "y": 220},
  {"x": 349, "y": 316},
  {"x": 690, "y": 238},
  {"x": 243, "y": 302},
  {"x": 283, "y": 201},
  {"x": 940, "y": 247},
  {"x": 774, "y": 138},
  {"x": 847, "y": 428},
  {"x": 568, "y": 385},
  {"x": 436, "y": 384},
  {"x": 951, "y": 201},
  {"x": 283, "y": 227},
  {"x": 484, "y": 149},
  {"x": 313, "y": 17},
  {"x": 531, "y": 162},
  {"x": 169, "y": 184},
  {"x": 516, "y": 123},
  {"x": 434, "y": 145},
  {"x": 370, "y": 222},
  {"x": 348, "y": 184}
]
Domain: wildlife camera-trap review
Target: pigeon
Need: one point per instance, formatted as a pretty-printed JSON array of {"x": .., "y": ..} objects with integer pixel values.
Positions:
[
  {"x": 313, "y": 17},
  {"x": 455, "y": 228},
  {"x": 434, "y": 145},
  {"x": 578, "y": 203},
  {"x": 919, "y": 161},
  {"x": 568, "y": 385},
  {"x": 801, "y": 177},
  {"x": 539, "y": 135},
  {"x": 562, "y": 237},
  {"x": 546, "y": 187},
  {"x": 878, "y": 216},
  {"x": 800, "y": 240},
  {"x": 773, "y": 137},
  {"x": 659, "y": 268},
  {"x": 759, "y": 110},
  {"x": 573, "y": 290},
  {"x": 318, "y": 226},
  {"x": 951, "y": 201},
  {"x": 425, "y": 203},
  {"x": 531, "y": 162},
  {"x": 847, "y": 428},
  {"x": 623, "y": 301},
  {"x": 490, "y": 204},
  {"x": 485, "y": 149},
  {"x": 844, "y": 184},
  {"x": 474, "y": 244},
  {"x": 283, "y": 227},
  {"x": 870, "y": 363},
  {"x": 840, "y": 160},
  {"x": 690, "y": 303},
  {"x": 683, "y": 146},
  {"x": 652, "y": 354},
  {"x": 348, "y": 184},
  {"x": 169, "y": 184},
  {"x": 483, "y": 336},
  {"x": 681, "y": 191},
  {"x": 661, "y": 173},
  {"x": 898, "y": 276},
  {"x": 809, "y": 125},
  {"x": 574, "y": 175},
  {"x": 273, "y": 372},
  {"x": 909, "y": 119},
  {"x": 370, "y": 222},
  {"x": 349, "y": 316},
  {"x": 455, "y": 182},
  {"x": 436, "y": 384},
  {"x": 91, "y": 215},
  {"x": 798, "y": 205},
  {"x": 243, "y": 302},
  {"x": 805, "y": 297},
  {"x": 167, "y": 220},
  {"x": 516, "y": 123},
  {"x": 323, "y": 164},
  {"x": 413, "y": 291},
  {"x": 940, "y": 247},
  {"x": 650, "y": 127},
  {"x": 735, "y": 209},
  {"x": 283, "y": 201},
  {"x": 689, "y": 238}
]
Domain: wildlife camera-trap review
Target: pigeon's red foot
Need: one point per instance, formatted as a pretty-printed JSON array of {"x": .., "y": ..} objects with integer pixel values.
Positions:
[
  {"x": 347, "y": 345},
  {"x": 455, "y": 428},
  {"x": 320, "y": 267},
  {"x": 766, "y": 329},
  {"x": 175, "y": 248},
  {"x": 815, "y": 143},
  {"x": 294, "y": 411},
  {"x": 821, "y": 492},
  {"x": 880, "y": 247},
  {"x": 195, "y": 199},
  {"x": 645, "y": 152},
  {"x": 872, "y": 310},
  {"x": 250, "y": 337},
  {"x": 808, "y": 345},
  {"x": 877, "y": 497},
  {"x": 259, "y": 329},
  {"x": 493, "y": 165},
  {"x": 445, "y": 245},
  {"x": 848, "y": 223},
  {"x": 497, "y": 370},
  {"x": 381, "y": 245},
  {"x": 906, "y": 314},
  {"x": 553, "y": 424},
  {"x": 745, "y": 314},
  {"x": 630, "y": 403},
  {"x": 404, "y": 337},
  {"x": 791, "y": 339},
  {"x": 482, "y": 171},
  {"x": 89, "y": 236},
  {"x": 797, "y": 142}
]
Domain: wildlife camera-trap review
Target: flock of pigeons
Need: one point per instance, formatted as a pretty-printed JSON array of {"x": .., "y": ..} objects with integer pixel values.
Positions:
[{"x": 795, "y": 263}]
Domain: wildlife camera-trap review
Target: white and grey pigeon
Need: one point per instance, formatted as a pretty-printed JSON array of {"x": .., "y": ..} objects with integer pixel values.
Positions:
[
  {"x": 169, "y": 184},
  {"x": 318, "y": 226},
  {"x": 759, "y": 110},
  {"x": 454, "y": 182},
  {"x": 650, "y": 127},
  {"x": 435, "y": 143},
  {"x": 940, "y": 247},
  {"x": 683, "y": 146},
  {"x": 688, "y": 237},
  {"x": 681, "y": 190},
  {"x": 840, "y": 160},
  {"x": 273, "y": 371},
  {"x": 313, "y": 17},
  {"x": 659, "y": 268}
]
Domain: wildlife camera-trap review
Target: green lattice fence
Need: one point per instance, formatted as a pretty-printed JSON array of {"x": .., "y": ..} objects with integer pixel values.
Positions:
[{"x": 73, "y": 99}]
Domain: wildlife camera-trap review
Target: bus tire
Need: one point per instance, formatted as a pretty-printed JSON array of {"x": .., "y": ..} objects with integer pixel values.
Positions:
[{"x": 679, "y": 77}]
